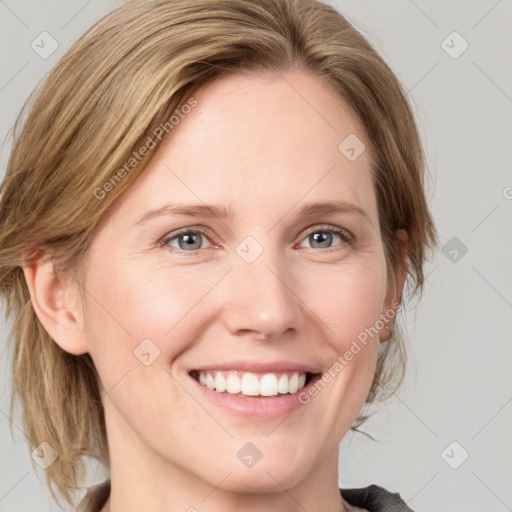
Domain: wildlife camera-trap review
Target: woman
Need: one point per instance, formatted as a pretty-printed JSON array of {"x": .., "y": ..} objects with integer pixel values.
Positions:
[{"x": 160, "y": 215}]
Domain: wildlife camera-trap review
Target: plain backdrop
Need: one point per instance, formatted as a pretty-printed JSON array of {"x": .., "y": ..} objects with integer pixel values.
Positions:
[{"x": 445, "y": 439}]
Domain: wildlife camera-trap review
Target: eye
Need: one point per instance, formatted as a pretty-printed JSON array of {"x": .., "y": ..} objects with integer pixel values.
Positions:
[
  {"x": 322, "y": 237},
  {"x": 188, "y": 240},
  {"x": 191, "y": 240}
]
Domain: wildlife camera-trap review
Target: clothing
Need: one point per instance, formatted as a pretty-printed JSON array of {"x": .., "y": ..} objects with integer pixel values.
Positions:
[{"x": 372, "y": 498}]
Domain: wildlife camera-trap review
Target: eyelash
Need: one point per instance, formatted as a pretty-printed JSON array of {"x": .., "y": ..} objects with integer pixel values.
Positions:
[{"x": 345, "y": 235}]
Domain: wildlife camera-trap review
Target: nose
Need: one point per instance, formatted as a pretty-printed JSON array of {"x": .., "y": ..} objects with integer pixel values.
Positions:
[{"x": 261, "y": 300}]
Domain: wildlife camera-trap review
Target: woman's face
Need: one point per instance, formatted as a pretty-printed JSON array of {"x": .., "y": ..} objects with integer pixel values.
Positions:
[{"x": 244, "y": 286}]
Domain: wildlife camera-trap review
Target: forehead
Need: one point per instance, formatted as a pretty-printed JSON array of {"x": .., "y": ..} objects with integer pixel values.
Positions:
[{"x": 263, "y": 141}]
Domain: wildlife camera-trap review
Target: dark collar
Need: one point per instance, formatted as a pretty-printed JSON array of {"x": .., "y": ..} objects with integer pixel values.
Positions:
[{"x": 375, "y": 499}]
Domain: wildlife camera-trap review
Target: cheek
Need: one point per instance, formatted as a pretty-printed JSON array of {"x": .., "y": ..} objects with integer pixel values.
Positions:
[
  {"x": 349, "y": 299},
  {"x": 350, "y": 308},
  {"x": 129, "y": 304},
  {"x": 139, "y": 322}
]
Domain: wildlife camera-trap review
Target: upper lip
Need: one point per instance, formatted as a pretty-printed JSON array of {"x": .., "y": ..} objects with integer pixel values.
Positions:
[{"x": 260, "y": 367}]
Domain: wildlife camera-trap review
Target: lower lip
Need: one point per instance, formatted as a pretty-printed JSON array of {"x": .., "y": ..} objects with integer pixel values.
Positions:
[{"x": 255, "y": 407}]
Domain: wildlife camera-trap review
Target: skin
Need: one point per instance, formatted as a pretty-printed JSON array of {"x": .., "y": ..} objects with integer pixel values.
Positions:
[{"x": 257, "y": 146}]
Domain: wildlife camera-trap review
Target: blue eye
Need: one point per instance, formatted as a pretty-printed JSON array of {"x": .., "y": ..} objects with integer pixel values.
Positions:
[
  {"x": 191, "y": 240},
  {"x": 325, "y": 235},
  {"x": 188, "y": 240}
]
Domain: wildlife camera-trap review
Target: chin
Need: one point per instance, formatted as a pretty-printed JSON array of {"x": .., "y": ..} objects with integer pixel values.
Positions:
[{"x": 262, "y": 478}]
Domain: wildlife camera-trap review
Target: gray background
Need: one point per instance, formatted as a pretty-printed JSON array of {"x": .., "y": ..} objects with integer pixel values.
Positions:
[{"x": 458, "y": 386}]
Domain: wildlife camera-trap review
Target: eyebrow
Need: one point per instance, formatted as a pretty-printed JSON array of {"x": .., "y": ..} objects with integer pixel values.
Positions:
[{"x": 219, "y": 211}]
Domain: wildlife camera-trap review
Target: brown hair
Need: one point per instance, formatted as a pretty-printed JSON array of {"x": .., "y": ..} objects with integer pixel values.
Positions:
[{"x": 124, "y": 78}]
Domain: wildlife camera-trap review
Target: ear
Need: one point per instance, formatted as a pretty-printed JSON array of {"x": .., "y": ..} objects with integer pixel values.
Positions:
[
  {"x": 54, "y": 299},
  {"x": 394, "y": 295}
]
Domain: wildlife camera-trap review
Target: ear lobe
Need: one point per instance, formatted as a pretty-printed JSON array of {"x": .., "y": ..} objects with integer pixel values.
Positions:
[
  {"x": 53, "y": 295},
  {"x": 395, "y": 296}
]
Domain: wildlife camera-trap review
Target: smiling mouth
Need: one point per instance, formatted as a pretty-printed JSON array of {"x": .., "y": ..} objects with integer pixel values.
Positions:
[{"x": 254, "y": 385}]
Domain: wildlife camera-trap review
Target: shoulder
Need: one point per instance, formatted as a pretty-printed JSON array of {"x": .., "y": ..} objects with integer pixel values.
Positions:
[
  {"x": 95, "y": 498},
  {"x": 375, "y": 499}
]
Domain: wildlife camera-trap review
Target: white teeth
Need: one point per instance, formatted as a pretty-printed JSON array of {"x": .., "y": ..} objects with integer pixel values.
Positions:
[
  {"x": 210, "y": 381},
  {"x": 220, "y": 382},
  {"x": 282, "y": 386},
  {"x": 268, "y": 385},
  {"x": 293, "y": 385},
  {"x": 252, "y": 384},
  {"x": 233, "y": 383}
]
